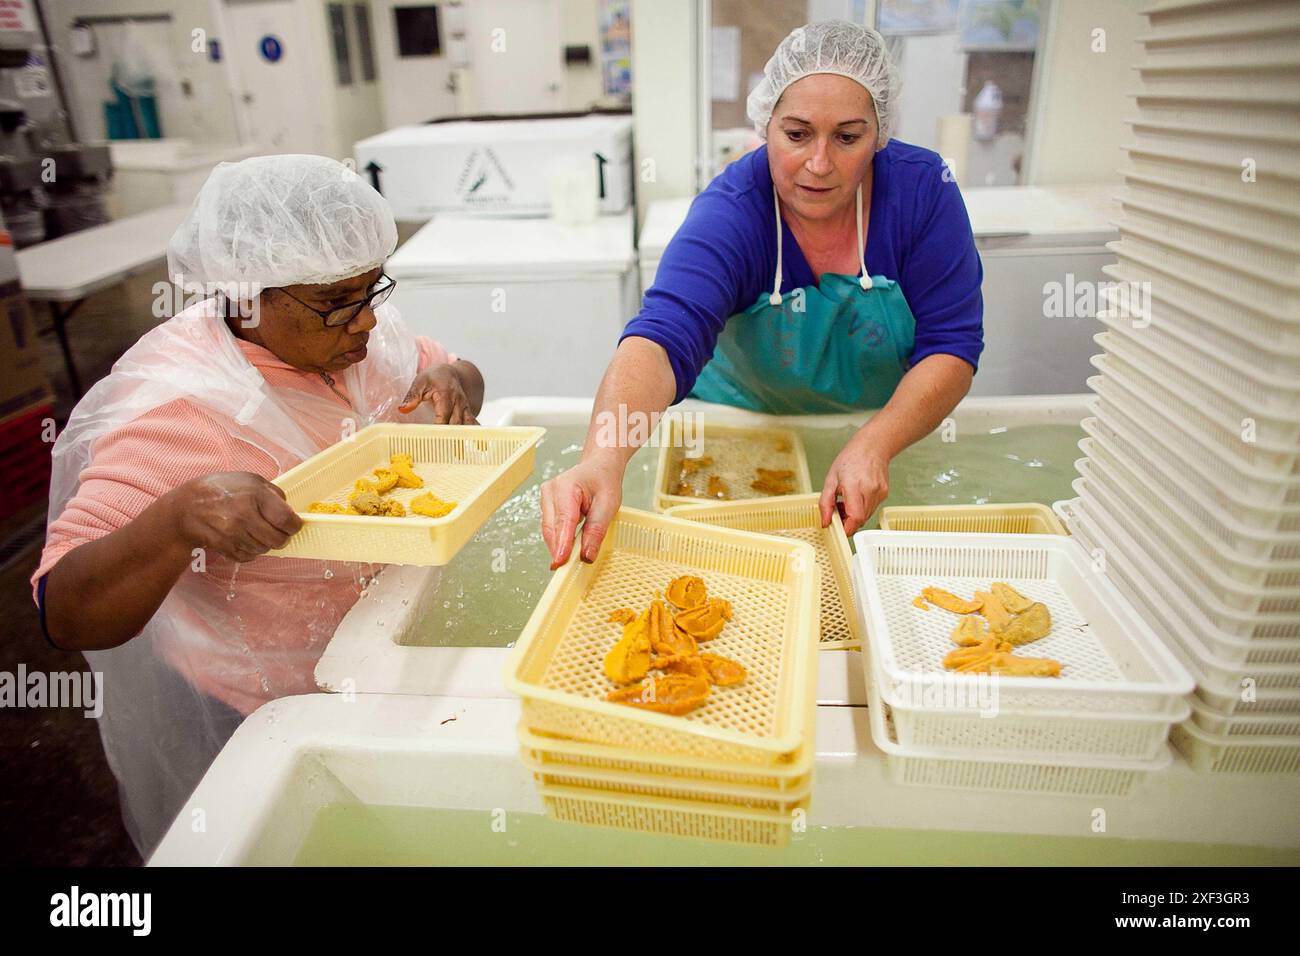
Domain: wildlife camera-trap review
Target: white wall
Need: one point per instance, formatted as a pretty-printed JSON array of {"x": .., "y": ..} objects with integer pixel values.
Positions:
[
  {"x": 580, "y": 25},
  {"x": 356, "y": 110},
  {"x": 1081, "y": 102},
  {"x": 665, "y": 98},
  {"x": 205, "y": 115}
]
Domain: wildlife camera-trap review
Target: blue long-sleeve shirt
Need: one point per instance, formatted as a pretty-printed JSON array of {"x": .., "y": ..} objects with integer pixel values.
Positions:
[{"x": 724, "y": 256}]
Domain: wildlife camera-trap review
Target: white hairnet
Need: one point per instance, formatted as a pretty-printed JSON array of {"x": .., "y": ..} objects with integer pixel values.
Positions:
[
  {"x": 274, "y": 221},
  {"x": 836, "y": 47}
]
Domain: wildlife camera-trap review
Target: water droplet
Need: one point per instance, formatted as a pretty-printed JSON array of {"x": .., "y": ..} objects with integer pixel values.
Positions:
[
  {"x": 230, "y": 596},
  {"x": 329, "y": 573}
]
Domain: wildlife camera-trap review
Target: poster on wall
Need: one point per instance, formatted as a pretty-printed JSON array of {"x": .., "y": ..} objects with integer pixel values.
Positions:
[
  {"x": 616, "y": 47},
  {"x": 17, "y": 15},
  {"x": 901, "y": 17}
]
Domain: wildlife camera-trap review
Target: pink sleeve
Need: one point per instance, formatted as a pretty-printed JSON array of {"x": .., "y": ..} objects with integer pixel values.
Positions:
[
  {"x": 432, "y": 353},
  {"x": 135, "y": 465}
]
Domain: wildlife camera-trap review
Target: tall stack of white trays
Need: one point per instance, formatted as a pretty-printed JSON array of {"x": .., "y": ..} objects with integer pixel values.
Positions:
[{"x": 1190, "y": 490}]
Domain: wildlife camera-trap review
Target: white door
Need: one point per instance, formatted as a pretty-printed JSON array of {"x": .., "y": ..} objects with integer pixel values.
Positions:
[
  {"x": 516, "y": 57},
  {"x": 275, "y": 93}
]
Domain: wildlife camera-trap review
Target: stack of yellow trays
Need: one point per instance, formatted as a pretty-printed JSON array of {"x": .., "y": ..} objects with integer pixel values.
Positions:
[{"x": 739, "y": 767}]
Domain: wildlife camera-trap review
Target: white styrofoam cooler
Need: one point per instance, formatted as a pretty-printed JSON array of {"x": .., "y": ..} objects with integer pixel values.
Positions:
[
  {"x": 496, "y": 166},
  {"x": 537, "y": 306}
]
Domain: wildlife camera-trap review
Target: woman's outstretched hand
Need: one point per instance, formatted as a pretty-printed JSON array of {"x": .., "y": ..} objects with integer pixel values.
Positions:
[
  {"x": 590, "y": 492},
  {"x": 859, "y": 479}
]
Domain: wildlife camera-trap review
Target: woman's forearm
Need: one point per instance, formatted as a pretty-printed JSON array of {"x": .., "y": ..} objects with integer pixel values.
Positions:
[
  {"x": 638, "y": 382},
  {"x": 102, "y": 593},
  {"x": 926, "y": 395}
]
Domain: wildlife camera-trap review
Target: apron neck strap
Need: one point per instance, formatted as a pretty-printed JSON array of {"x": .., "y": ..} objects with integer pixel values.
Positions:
[{"x": 863, "y": 279}]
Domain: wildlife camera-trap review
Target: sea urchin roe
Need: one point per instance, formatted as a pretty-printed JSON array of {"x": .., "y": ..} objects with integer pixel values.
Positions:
[
  {"x": 949, "y": 601},
  {"x": 774, "y": 481},
  {"x": 970, "y": 631},
  {"x": 992, "y": 610},
  {"x": 621, "y": 615},
  {"x": 327, "y": 508},
  {"x": 1029, "y": 625},
  {"x": 385, "y": 480},
  {"x": 722, "y": 670},
  {"x": 366, "y": 503},
  {"x": 691, "y": 465},
  {"x": 705, "y": 621},
  {"x": 1011, "y": 599},
  {"x": 402, "y": 466},
  {"x": 431, "y": 506},
  {"x": 673, "y": 694},
  {"x": 629, "y": 659},
  {"x": 686, "y": 591},
  {"x": 718, "y": 488}
]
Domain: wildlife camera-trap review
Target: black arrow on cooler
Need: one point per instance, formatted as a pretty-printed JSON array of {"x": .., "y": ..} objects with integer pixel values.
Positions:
[{"x": 374, "y": 169}]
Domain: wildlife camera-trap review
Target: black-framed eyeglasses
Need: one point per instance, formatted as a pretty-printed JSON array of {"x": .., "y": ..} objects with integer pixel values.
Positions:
[{"x": 343, "y": 314}]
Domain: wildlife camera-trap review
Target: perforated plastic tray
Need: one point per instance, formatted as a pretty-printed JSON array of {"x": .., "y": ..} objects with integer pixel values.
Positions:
[
  {"x": 798, "y": 517},
  {"x": 1040, "y": 733},
  {"x": 737, "y": 450},
  {"x": 561, "y": 755},
  {"x": 478, "y": 468},
  {"x": 1111, "y": 659},
  {"x": 663, "y": 815},
  {"x": 1019, "y": 518},
  {"x": 1270, "y": 185},
  {"x": 1181, "y": 573},
  {"x": 1177, "y": 622},
  {"x": 1210, "y": 753},
  {"x": 1267, "y": 582},
  {"x": 1098, "y": 533},
  {"x": 772, "y": 583},
  {"x": 1077, "y": 776},
  {"x": 1244, "y": 725},
  {"x": 615, "y": 782}
]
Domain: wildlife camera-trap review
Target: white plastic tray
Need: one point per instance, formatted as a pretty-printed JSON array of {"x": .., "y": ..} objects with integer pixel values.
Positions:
[
  {"x": 1270, "y": 346},
  {"x": 1124, "y": 385},
  {"x": 1266, "y": 584},
  {"x": 1073, "y": 776},
  {"x": 1112, "y": 661},
  {"x": 1267, "y": 484},
  {"x": 1138, "y": 571},
  {"x": 1200, "y": 613},
  {"x": 1264, "y": 292},
  {"x": 1171, "y": 166},
  {"x": 1244, "y": 725},
  {"x": 1202, "y": 474},
  {"x": 1230, "y": 141},
  {"x": 1095, "y": 533},
  {"x": 1252, "y": 247},
  {"x": 1238, "y": 210},
  {"x": 1041, "y": 733},
  {"x": 1210, "y": 753}
]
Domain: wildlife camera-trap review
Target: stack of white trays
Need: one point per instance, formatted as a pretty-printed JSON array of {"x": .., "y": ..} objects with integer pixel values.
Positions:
[{"x": 1189, "y": 493}]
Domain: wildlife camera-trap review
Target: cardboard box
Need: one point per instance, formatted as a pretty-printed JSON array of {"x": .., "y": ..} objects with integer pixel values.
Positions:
[{"x": 25, "y": 458}]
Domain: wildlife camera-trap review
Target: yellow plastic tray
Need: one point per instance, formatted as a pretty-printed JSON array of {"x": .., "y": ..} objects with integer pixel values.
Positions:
[
  {"x": 665, "y": 785},
  {"x": 674, "y": 817},
  {"x": 1027, "y": 518},
  {"x": 478, "y": 468},
  {"x": 557, "y": 666},
  {"x": 798, "y": 517},
  {"x": 672, "y": 449},
  {"x": 560, "y": 756}
]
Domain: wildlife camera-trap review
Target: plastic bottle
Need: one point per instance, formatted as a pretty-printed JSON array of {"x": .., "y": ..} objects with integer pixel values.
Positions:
[{"x": 988, "y": 110}]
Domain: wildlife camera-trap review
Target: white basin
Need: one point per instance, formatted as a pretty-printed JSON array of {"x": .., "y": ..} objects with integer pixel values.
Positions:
[
  {"x": 367, "y": 653},
  {"x": 299, "y": 756}
]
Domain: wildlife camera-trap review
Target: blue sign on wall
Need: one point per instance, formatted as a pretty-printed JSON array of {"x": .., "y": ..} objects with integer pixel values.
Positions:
[{"x": 271, "y": 48}]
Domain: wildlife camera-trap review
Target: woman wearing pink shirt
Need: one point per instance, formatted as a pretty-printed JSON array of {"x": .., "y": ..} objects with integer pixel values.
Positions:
[{"x": 161, "y": 501}]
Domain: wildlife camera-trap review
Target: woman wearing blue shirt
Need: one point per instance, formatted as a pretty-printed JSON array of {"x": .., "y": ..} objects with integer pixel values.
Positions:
[{"x": 831, "y": 270}]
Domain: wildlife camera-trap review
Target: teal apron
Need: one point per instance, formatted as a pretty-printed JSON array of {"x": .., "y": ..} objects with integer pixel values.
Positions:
[{"x": 839, "y": 346}]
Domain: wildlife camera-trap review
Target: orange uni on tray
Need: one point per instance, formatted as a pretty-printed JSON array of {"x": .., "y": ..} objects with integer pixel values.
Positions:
[{"x": 688, "y": 674}]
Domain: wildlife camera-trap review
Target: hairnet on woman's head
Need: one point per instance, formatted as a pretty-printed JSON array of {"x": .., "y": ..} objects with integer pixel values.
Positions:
[
  {"x": 274, "y": 221},
  {"x": 836, "y": 47}
]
